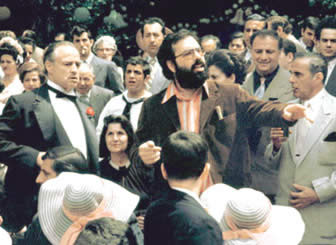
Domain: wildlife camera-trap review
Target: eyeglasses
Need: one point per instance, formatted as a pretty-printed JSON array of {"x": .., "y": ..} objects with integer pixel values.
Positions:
[
  {"x": 190, "y": 53},
  {"x": 105, "y": 49}
]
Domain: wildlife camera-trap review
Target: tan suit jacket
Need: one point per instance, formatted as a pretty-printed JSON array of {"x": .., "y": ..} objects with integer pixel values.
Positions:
[
  {"x": 316, "y": 168},
  {"x": 263, "y": 178}
]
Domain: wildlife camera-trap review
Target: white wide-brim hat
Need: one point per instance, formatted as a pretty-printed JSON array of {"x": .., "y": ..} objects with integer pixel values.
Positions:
[
  {"x": 249, "y": 207},
  {"x": 80, "y": 194},
  {"x": 5, "y": 238}
]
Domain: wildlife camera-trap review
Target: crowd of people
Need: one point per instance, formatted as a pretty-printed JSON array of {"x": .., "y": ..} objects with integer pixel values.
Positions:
[{"x": 186, "y": 143}]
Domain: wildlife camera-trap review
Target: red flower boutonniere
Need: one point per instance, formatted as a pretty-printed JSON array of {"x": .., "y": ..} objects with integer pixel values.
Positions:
[{"x": 90, "y": 112}]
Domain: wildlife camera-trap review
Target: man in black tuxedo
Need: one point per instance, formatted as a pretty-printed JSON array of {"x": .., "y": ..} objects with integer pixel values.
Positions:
[
  {"x": 105, "y": 71},
  {"x": 33, "y": 122},
  {"x": 178, "y": 216}
]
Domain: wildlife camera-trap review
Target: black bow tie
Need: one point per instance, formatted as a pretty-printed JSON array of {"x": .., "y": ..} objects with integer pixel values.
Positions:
[{"x": 60, "y": 94}]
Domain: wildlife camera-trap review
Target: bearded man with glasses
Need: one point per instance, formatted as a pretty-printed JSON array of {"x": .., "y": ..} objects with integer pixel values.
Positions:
[{"x": 219, "y": 113}]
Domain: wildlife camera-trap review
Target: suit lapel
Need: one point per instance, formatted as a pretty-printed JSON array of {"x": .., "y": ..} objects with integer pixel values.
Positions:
[
  {"x": 314, "y": 133},
  {"x": 96, "y": 67},
  {"x": 44, "y": 113},
  {"x": 170, "y": 107},
  {"x": 208, "y": 104}
]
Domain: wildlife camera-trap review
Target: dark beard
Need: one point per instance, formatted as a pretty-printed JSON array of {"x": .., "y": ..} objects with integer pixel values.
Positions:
[{"x": 189, "y": 79}]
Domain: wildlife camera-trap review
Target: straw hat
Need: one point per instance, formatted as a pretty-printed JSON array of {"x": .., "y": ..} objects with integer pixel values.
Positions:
[
  {"x": 250, "y": 210},
  {"x": 80, "y": 195}
]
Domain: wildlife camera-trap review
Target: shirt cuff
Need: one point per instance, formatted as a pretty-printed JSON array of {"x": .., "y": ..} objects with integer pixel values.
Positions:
[{"x": 325, "y": 187}]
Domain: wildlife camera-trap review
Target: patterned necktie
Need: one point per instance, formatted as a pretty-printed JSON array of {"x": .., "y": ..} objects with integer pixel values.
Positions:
[{"x": 128, "y": 106}]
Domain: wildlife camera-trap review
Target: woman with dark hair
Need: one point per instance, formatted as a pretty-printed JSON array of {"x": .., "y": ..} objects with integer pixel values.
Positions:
[
  {"x": 115, "y": 142},
  {"x": 225, "y": 67},
  {"x": 10, "y": 60},
  {"x": 31, "y": 76}
]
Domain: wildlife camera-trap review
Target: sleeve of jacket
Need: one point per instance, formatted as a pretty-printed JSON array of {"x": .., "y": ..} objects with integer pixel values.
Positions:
[
  {"x": 114, "y": 81},
  {"x": 10, "y": 122}
]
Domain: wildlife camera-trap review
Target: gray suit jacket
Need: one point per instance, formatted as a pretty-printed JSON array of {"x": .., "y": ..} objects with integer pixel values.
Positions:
[
  {"x": 263, "y": 178},
  {"x": 107, "y": 75},
  {"x": 98, "y": 98},
  {"x": 331, "y": 85},
  {"x": 316, "y": 168}
]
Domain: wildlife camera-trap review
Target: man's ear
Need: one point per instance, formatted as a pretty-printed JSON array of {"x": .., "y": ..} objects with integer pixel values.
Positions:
[
  {"x": 205, "y": 178},
  {"x": 171, "y": 66},
  {"x": 206, "y": 171},
  {"x": 164, "y": 172},
  {"x": 147, "y": 77},
  {"x": 48, "y": 65},
  {"x": 302, "y": 31},
  {"x": 319, "y": 76},
  {"x": 290, "y": 57},
  {"x": 232, "y": 78}
]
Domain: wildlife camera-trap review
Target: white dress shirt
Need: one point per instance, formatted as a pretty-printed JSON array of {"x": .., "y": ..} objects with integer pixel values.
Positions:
[
  {"x": 69, "y": 117},
  {"x": 116, "y": 106}
]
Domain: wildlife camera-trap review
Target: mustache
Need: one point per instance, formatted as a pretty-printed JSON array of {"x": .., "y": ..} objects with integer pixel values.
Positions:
[{"x": 198, "y": 62}]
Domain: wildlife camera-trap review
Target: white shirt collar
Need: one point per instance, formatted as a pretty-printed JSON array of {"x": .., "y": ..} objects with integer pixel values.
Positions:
[
  {"x": 59, "y": 88},
  {"x": 315, "y": 102},
  {"x": 116, "y": 166},
  {"x": 79, "y": 94},
  {"x": 190, "y": 193},
  {"x": 89, "y": 58}
]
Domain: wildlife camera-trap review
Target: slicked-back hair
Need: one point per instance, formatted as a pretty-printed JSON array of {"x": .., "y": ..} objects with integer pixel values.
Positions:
[
  {"x": 106, "y": 231},
  {"x": 267, "y": 33},
  {"x": 255, "y": 17},
  {"x": 125, "y": 125},
  {"x": 288, "y": 47},
  {"x": 49, "y": 52},
  {"x": 167, "y": 52},
  {"x": 212, "y": 37},
  {"x": 316, "y": 63},
  {"x": 310, "y": 22},
  {"x": 138, "y": 60},
  {"x": 79, "y": 30},
  {"x": 67, "y": 159},
  {"x": 153, "y": 20},
  {"x": 237, "y": 35},
  {"x": 326, "y": 23},
  {"x": 228, "y": 63},
  {"x": 276, "y": 21},
  {"x": 184, "y": 155}
]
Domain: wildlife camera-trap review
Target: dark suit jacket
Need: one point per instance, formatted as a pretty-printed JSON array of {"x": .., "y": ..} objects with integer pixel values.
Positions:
[
  {"x": 98, "y": 98},
  {"x": 177, "y": 218},
  {"x": 107, "y": 75},
  {"x": 229, "y": 152},
  {"x": 331, "y": 85},
  {"x": 28, "y": 126}
]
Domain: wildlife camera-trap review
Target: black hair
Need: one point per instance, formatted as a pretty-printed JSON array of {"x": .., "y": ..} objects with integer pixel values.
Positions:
[
  {"x": 153, "y": 20},
  {"x": 79, "y": 30},
  {"x": 138, "y": 60},
  {"x": 106, "y": 231},
  {"x": 267, "y": 33},
  {"x": 125, "y": 124},
  {"x": 166, "y": 51},
  {"x": 326, "y": 23},
  {"x": 67, "y": 159},
  {"x": 228, "y": 63},
  {"x": 310, "y": 22},
  {"x": 288, "y": 47},
  {"x": 184, "y": 155}
]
